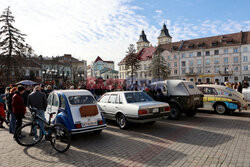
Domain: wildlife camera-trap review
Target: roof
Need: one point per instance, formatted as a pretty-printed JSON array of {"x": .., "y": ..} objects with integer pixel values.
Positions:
[
  {"x": 75, "y": 92},
  {"x": 143, "y": 37},
  {"x": 209, "y": 42},
  {"x": 164, "y": 32},
  {"x": 107, "y": 69},
  {"x": 100, "y": 59},
  {"x": 144, "y": 54}
]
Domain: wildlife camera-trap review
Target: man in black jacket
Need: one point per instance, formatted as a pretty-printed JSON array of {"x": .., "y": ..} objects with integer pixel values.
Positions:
[{"x": 38, "y": 100}]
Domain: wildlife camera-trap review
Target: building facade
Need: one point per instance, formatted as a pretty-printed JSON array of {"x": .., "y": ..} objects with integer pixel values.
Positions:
[{"x": 206, "y": 60}]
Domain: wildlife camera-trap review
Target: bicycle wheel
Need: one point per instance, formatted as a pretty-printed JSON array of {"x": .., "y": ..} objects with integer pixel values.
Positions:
[
  {"x": 60, "y": 138},
  {"x": 29, "y": 134}
]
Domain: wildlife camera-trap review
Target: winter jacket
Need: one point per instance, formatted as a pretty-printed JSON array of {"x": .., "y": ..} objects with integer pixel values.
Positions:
[
  {"x": 18, "y": 106},
  {"x": 37, "y": 100},
  {"x": 2, "y": 113}
]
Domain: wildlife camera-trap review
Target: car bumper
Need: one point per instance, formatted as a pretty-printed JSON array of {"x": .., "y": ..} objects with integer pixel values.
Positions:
[
  {"x": 148, "y": 118},
  {"x": 88, "y": 129}
]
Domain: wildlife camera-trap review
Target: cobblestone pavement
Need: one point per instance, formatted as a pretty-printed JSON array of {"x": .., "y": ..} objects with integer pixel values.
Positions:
[{"x": 204, "y": 140}]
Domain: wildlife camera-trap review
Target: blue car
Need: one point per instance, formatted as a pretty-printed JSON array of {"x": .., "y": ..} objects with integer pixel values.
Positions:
[{"x": 77, "y": 110}]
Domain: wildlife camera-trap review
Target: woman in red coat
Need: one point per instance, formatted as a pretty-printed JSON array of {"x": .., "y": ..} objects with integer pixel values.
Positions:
[
  {"x": 18, "y": 106},
  {"x": 2, "y": 112}
]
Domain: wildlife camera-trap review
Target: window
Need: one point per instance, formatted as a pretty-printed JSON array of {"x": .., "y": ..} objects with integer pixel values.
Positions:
[
  {"x": 207, "y": 53},
  {"x": 235, "y": 59},
  {"x": 206, "y": 90},
  {"x": 49, "y": 100},
  {"x": 226, "y": 60},
  {"x": 216, "y": 61},
  {"x": 236, "y": 79},
  {"x": 216, "y": 69},
  {"x": 207, "y": 61},
  {"x": 235, "y": 50},
  {"x": 236, "y": 68},
  {"x": 76, "y": 100},
  {"x": 207, "y": 70},
  {"x": 199, "y": 70},
  {"x": 226, "y": 51},
  {"x": 62, "y": 103},
  {"x": 191, "y": 70},
  {"x": 245, "y": 59},
  {"x": 169, "y": 57},
  {"x": 198, "y": 54},
  {"x": 183, "y": 71},
  {"x": 191, "y": 63},
  {"x": 216, "y": 52},
  {"x": 199, "y": 62},
  {"x": 245, "y": 49},
  {"x": 183, "y": 55},
  {"x": 137, "y": 97},
  {"x": 169, "y": 64},
  {"x": 104, "y": 99},
  {"x": 55, "y": 101},
  {"x": 145, "y": 66},
  {"x": 112, "y": 99},
  {"x": 175, "y": 64},
  {"x": 183, "y": 63},
  {"x": 175, "y": 57},
  {"x": 245, "y": 68},
  {"x": 191, "y": 54}
]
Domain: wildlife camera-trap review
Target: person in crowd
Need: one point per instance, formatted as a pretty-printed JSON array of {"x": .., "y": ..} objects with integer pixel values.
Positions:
[
  {"x": 18, "y": 107},
  {"x": 239, "y": 87},
  {"x": 235, "y": 85},
  {"x": 7, "y": 94},
  {"x": 72, "y": 87},
  {"x": 2, "y": 89},
  {"x": 12, "y": 116},
  {"x": 38, "y": 100},
  {"x": 48, "y": 90},
  {"x": 2, "y": 111},
  {"x": 245, "y": 84},
  {"x": 25, "y": 95},
  {"x": 43, "y": 88}
]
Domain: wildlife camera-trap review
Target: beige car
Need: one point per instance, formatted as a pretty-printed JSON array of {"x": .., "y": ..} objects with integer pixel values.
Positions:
[{"x": 222, "y": 99}]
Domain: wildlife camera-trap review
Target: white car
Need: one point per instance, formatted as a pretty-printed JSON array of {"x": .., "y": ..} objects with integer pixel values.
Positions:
[
  {"x": 246, "y": 93},
  {"x": 132, "y": 106}
]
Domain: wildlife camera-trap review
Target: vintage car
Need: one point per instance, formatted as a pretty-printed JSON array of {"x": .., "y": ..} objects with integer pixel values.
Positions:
[
  {"x": 132, "y": 106},
  {"x": 182, "y": 96},
  {"x": 222, "y": 99},
  {"x": 75, "y": 109}
]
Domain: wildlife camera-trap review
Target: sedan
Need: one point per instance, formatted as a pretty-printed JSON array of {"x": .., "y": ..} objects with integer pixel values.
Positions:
[{"x": 132, "y": 106}]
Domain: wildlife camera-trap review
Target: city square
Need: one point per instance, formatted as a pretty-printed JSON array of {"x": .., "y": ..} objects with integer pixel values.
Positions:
[
  {"x": 204, "y": 140},
  {"x": 124, "y": 83}
]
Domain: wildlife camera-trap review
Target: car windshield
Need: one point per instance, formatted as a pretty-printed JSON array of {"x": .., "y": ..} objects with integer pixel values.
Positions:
[
  {"x": 76, "y": 100},
  {"x": 134, "y": 97}
]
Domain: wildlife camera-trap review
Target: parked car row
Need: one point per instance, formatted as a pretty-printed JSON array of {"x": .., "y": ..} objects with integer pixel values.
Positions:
[{"x": 80, "y": 112}]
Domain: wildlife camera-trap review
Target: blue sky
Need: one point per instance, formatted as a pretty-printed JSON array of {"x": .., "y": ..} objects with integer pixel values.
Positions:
[{"x": 87, "y": 29}]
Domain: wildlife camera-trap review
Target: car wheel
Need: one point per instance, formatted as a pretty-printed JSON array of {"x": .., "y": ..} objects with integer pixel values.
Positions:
[
  {"x": 191, "y": 113},
  {"x": 122, "y": 121},
  {"x": 175, "y": 112},
  {"x": 220, "y": 108}
]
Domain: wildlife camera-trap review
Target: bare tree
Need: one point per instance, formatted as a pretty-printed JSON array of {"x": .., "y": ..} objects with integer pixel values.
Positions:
[
  {"x": 12, "y": 45},
  {"x": 132, "y": 61},
  {"x": 158, "y": 66}
]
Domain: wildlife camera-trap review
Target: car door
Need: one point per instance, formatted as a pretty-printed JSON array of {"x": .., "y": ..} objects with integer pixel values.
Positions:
[
  {"x": 111, "y": 105},
  {"x": 55, "y": 105},
  {"x": 103, "y": 103},
  {"x": 209, "y": 96}
]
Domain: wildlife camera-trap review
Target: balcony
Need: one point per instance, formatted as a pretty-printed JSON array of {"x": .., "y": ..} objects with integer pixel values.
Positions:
[
  {"x": 226, "y": 73},
  {"x": 191, "y": 74}
]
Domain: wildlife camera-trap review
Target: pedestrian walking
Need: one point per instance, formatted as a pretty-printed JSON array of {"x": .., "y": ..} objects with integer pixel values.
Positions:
[
  {"x": 18, "y": 107},
  {"x": 12, "y": 126},
  {"x": 38, "y": 100},
  {"x": 239, "y": 88},
  {"x": 7, "y": 94}
]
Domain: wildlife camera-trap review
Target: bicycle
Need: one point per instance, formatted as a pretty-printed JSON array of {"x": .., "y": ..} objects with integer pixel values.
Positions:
[{"x": 32, "y": 133}]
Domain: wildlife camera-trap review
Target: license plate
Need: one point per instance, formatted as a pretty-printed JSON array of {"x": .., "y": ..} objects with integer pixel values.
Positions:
[
  {"x": 155, "y": 110},
  {"x": 90, "y": 123}
]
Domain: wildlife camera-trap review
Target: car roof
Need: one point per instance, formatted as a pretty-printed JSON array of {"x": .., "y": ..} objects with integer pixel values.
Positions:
[
  {"x": 76, "y": 92},
  {"x": 212, "y": 85},
  {"x": 122, "y": 92}
]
